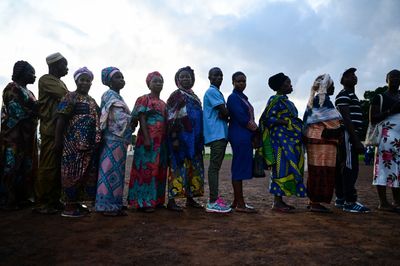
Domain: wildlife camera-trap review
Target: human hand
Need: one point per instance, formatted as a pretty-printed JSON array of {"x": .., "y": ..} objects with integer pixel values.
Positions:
[
  {"x": 147, "y": 144},
  {"x": 359, "y": 147},
  {"x": 395, "y": 108},
  {"x": 175, "y": 145}
]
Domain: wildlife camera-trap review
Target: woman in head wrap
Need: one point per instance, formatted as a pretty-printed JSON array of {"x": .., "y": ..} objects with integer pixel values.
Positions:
[
  {"x": 149, "y": 166},
  {"x": 322, "y": 133},
  {"x": 78, "y": 136},
  {"x": 185, "y": 140},
  {"x": 385, "y": 110},
  {"x": 115, "y": 120},
  {"x": 285, "y": 130},
  {"x": 18, "y": 143},
  {"x": 242, "y": 128}
]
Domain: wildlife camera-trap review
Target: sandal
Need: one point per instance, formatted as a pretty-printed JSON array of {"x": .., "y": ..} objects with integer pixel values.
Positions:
[
  {"x": 194, "y": 204},
  {"x": 72, "y": 214},
  {"x": 247, "y": 206},
  {"x": 174, "y": 207},
  {"x": 387, "y": 208},
  {"x": 283, "y": 209},
  {"x": 319, "y": 208},
  {"x": 44, "y": 210},
  {"x": 246, "y": 209},
  {"x": 115, "y": 213},
  {"x": 147, "y": 209}
]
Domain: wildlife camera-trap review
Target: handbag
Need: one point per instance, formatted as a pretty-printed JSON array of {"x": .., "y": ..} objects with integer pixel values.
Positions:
[
  {"x": 373, "y": 135},
  {"x": 258, "y": 164}
]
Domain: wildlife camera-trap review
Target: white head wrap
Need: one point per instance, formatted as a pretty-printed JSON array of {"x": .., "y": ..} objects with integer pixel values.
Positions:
[{"x": 320, "y": 87}]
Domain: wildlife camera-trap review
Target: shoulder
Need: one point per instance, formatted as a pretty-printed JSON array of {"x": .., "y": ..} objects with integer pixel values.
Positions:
[{"x": 343, "y": 97}]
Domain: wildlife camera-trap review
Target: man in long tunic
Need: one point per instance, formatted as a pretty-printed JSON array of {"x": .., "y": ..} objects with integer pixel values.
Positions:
[{"x": 51, "y": 90}]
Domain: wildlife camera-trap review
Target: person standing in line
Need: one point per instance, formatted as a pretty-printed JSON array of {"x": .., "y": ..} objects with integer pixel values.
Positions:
[
  {"x": 215, "y": 123},
  {"x": 18, "y": 139},
  {"x": 149, "y": 166},
  {"x": 51, "y": 90},
  {"x": 185, "y": 142},
  {"x": 115, "y": 124},
  {"x": 387, "y": 164},
  {"x": 322, "y": 122},
  {"x": 280, "y": 117},
  {"x": 241, "y": 131},
  {"x": 349, "y": 107},
  {"x": 78, "y": 136}
]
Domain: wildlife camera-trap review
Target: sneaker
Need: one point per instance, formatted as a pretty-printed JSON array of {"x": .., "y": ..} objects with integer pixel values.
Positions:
[
  {"x": 355, "y": 207},
  {"x": 218, "y": 206},
  {"x": 339, "y": 203}
]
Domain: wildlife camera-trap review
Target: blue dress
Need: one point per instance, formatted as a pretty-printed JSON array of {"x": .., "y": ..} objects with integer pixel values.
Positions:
[{"x": 241, "y": 114}]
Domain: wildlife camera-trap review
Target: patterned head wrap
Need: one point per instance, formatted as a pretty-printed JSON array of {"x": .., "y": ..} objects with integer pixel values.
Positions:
[
  {"x": 320, "y": 87},
  {"x": 276, "y": 81},
  {"x": 191, "y": 73},
  {"x": 20, "y": 67},
  {"x": 107, "y": 73},
  {"x": 83, "y": 70},
  {"x": 151, "y": 75}
]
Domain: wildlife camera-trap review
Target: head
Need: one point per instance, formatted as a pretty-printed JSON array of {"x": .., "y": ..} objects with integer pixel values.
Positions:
[
  {"x": 107, "y": 75},
  {"x": 215, "y": 76},
  {"x": 58, "y": 65},
  {"x": 280, "y": 83},
  {"x": 322, "y": 86},
  {"x": 393, "y": 79},
  {"x": 239, "y": 81},
  {"x": 117, "y": 81},
  {"x": 155, "y": 82},
  {"x": 23, "y": 73},
  {"x": 83, "y": 78},
  {"x": 184, "y": 78},
  {"x": 349, "y": 78}
]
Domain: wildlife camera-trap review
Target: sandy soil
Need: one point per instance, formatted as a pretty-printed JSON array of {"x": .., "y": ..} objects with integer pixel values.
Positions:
[{"x": 197, "y": 238}]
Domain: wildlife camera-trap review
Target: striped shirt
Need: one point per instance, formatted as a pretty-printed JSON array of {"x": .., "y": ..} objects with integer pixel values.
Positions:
[{"x": 346, "y": 98}]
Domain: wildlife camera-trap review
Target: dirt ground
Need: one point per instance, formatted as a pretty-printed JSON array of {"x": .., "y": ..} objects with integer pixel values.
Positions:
[{"x": 197, "y": 238}]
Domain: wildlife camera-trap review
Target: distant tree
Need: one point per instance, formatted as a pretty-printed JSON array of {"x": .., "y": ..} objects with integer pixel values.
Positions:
[{"x": 365, "y": 103}]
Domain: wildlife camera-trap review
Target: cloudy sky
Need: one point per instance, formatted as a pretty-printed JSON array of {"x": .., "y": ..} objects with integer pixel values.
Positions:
[{"x": 259, "y": 37}]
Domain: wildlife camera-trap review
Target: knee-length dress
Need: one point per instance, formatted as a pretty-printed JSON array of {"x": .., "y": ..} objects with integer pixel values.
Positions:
[
  {"x": 81, "y": 139},
  {"x": 239, "y": 135},
  {"x": 116, "y": 135},
  {"x": 149, "y": 167},
  {"x": 185, "y": 121}
]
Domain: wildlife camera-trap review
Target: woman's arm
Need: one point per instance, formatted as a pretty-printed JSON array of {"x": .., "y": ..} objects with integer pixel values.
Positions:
[{"x": 145, "y": 131}]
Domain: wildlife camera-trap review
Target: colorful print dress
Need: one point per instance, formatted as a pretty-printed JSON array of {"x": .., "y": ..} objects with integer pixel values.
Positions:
[
  {"x": 149, "y": 167},
  {"x": 18, "y": 144},
  {"x": 287, "y": 147},
  {"x": 116, "y": 135},
  {"x": 81, "y": 139},
  {"x": 387, "y": 154},
  {"x": 185, "y": 121}
]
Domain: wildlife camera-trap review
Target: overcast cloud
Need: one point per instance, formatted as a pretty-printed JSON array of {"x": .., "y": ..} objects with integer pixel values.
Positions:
[{"x": 303, "y": 39}]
